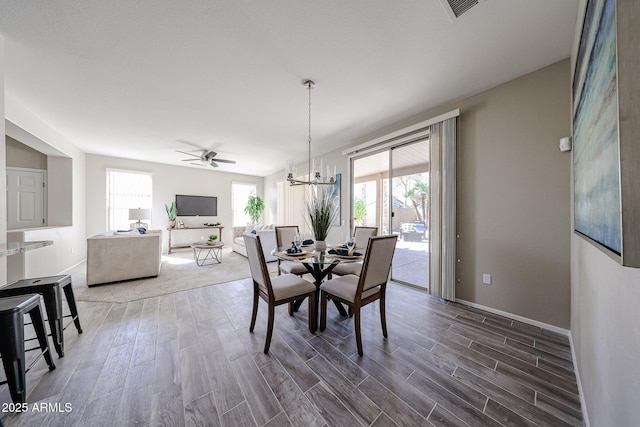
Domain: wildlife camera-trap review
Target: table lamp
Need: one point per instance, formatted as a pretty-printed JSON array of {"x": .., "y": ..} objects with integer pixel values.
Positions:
[{"x": 138, "y": 215}]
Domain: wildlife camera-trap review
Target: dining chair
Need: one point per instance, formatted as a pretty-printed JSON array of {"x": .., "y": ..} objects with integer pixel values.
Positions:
[
  {"x": 358, "y": 291},
  {"x": 283, "y": 289},
  {"x": 361, "y": 236},
  {"x": 284, "y": 236}
]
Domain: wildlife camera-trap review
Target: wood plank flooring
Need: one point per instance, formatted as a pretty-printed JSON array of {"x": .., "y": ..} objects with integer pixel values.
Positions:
[{"x": 188, "y": 359}]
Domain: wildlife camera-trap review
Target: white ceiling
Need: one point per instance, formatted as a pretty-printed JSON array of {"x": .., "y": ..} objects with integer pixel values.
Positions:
[{"x": 140, "y": 79}]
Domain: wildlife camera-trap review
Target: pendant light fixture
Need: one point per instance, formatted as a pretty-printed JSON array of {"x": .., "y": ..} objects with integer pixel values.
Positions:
[{"x": 315, "y": 166}]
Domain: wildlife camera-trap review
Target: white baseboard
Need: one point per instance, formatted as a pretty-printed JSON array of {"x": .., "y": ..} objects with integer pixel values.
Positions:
[
  {"x": 522, "y": 319},
  {"x": 73, "y": 266},
  {"x": 583, "y": 403}
]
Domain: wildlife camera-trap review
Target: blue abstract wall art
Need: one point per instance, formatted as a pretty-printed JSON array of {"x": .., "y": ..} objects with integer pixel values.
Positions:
[{"x": 596, "y": 158}]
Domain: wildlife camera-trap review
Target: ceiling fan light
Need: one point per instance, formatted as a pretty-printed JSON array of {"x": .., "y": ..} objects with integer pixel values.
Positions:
[{"x": 206, "y": 157}]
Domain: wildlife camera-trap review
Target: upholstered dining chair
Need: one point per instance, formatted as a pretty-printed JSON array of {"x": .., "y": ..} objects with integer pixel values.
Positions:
[
  {"x": 358, "y": 291},
  {"x": 284, "y": 236},
  {"x": 361, "y": 236},
  {"x": 277, "y": 291}
]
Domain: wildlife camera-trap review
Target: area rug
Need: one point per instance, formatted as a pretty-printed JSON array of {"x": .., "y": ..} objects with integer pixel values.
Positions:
[{"x": 179, "y": 272}]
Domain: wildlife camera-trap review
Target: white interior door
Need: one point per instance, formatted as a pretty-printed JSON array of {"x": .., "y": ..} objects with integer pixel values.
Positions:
[{"x": 25, "y": 199}]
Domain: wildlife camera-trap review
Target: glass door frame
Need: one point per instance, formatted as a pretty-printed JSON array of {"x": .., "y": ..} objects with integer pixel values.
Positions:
[
  {"x": 380, "y": 191},
  {"x": 391, "y": 215}
]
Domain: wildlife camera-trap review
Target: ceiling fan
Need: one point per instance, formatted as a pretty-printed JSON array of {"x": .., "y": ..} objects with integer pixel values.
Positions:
[{"x": 206, "y": 157}]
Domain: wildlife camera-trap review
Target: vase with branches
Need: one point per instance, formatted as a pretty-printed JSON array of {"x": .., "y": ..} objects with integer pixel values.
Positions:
[{"x": 322, "y": 210}]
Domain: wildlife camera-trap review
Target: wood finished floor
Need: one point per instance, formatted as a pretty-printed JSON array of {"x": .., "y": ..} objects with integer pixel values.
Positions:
[{"x": 188, "y": 359}]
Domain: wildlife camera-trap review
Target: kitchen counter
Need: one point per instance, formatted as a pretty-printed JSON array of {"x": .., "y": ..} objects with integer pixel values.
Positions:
[{"x": 13, "y": 248}]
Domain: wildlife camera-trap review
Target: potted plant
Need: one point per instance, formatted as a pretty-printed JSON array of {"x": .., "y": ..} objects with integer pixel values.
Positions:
[
  {"x": 172, "y": 212},
  {"x": 322, "y": 211},
  {"x": 254, "y": 208},
  {"x": 212, "y": 239}
]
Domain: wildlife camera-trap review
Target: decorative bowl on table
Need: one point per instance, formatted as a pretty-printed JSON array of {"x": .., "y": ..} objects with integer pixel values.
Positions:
[{"x": 296, "y": 254}]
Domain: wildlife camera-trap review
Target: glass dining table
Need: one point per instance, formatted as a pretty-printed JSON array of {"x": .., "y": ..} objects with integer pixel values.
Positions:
[{"x": 319, "y": 264}]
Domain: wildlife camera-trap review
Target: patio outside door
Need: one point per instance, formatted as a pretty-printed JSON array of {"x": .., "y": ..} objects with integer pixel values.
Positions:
[{"x": 409, "y": 206}]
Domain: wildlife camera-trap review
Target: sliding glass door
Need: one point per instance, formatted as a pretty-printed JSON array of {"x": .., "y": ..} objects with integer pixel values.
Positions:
[
  {"x": 409, "y": 206},
  {"x": 391, "y": 191},
  {"x": 406, "y": 185}
]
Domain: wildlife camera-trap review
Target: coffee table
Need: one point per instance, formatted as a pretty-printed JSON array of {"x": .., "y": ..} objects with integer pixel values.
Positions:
[{"x": 212, "y": 251}]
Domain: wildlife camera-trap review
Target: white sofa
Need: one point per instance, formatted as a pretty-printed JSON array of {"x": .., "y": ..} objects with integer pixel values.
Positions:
[
  {"x": 267, "y": 238},
  {"x": 116, "y": 257}
]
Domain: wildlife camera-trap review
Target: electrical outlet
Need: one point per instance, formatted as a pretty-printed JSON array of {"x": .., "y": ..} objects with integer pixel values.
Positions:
[{"x": 486, "y": 279}]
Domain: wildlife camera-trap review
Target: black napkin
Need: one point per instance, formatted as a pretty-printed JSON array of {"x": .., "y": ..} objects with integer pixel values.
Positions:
[
  {"x": 293, "y": 250},
  {"x": 342, "y": 252},
  {"x": 308, "y": 242}
]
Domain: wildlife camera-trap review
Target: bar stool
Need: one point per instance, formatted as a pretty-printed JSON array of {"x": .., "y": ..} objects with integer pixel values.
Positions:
[
  {"x": 49, "y": 288},
  {"x": 12, "y": 311}
]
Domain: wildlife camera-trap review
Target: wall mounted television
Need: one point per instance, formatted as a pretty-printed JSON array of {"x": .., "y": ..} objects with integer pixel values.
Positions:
[{"x": 196, "y": 205}]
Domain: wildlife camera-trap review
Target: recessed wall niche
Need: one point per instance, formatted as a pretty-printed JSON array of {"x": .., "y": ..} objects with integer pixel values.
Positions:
[{"x": 25, "y": 152}]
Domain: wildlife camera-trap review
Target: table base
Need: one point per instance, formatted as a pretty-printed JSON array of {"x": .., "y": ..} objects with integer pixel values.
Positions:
[
  {"x": 319, "y": 274},
  {"x": 213, "y": 253}
]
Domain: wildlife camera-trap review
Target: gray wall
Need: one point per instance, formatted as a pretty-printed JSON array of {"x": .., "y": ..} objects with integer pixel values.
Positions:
[
  {"x": 513, "y": 194},
  {"x": 605, "y": 295},
  {"x": 22, "y": 156}
]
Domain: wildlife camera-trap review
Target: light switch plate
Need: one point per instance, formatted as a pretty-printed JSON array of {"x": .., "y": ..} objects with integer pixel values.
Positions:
[
  {"x": 486, "y": 279},
  {"x": 565, "y": 144}
]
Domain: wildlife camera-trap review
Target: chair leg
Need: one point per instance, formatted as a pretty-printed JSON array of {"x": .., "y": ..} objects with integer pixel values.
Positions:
[
  {"x": 254, "y": 313},
  {"x": 269, "y": 329},
  {"x": 12, "y": 351},
  {"x": 291, "y": 308},
  {"x": 53, "y": 307},
  {"x": 312, "y": 313},
  {"x": 41, "y": 333},
  {"x": 358, "y": 332},
  {"x": 383, "y": 315},
  {"x": 73, "y": 309},
  {"x": 350, "y": 312},
  {"x": 323, "y": 310}
]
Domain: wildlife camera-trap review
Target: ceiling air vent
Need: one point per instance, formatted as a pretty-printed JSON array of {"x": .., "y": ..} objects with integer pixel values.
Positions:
[{"x": 455, "y": 8}]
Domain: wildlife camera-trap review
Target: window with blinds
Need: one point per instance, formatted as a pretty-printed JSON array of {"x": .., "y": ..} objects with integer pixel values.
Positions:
[{"x": 126, "y": 190}]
